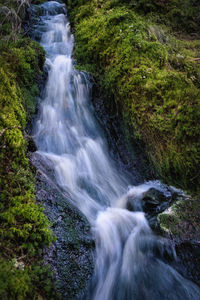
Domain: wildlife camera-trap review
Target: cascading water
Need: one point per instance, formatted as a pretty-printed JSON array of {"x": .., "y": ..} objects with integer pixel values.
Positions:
[{"x": 129, "y": 262}]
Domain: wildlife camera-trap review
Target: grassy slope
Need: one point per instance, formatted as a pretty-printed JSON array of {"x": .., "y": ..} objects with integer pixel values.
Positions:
[
  {"x": 152, "y": 76},
  {"x": 25, "y": 230}
]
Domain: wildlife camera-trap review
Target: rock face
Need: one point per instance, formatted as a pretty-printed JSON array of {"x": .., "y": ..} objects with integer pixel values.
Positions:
[
  {"x": 71, "y": 255},
  {"x": 188, "y": 263},
  {"x": 130, "y": 158}
]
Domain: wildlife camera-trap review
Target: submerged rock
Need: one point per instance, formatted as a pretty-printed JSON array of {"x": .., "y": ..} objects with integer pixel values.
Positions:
[
  {"x": 71, "y": 255},
  {"x": 152, "y": 202},
  {"x": 154, "y": 196},
  {"x": 155, "y": 201}
]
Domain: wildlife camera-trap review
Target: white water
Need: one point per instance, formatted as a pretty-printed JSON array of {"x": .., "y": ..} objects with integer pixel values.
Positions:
[{"x": 129, "y": 262}]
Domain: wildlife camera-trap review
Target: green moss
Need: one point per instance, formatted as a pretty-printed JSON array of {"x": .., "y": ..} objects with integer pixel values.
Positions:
[
  {"x": 25, "y": 230},
  {"x": 13, "y": 280},
  {"x": 149, "y": 77},
  {"x": 182, "y": 219},
  {"x": 179, "y": 14},
  {"x": 19, "y": 281}
]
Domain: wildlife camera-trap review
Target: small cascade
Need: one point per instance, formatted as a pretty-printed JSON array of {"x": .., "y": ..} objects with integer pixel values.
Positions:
[{"x": 130, "y": 260}]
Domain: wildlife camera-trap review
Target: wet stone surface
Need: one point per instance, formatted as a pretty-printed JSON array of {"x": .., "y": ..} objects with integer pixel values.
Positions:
[
  {"x": 131, "y": 161},
  {"x": 188, "y": 259},
  {"x": 71, "y": 255}
]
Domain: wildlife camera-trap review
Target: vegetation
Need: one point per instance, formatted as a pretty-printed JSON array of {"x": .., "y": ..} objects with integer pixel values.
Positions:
[
  {"x": 178, "y": 14},
  {"x": 25, "y": 230},
  {"x": 184, "y": 225},
  {"x": 148, "y": 75},
  {"x": 11, "y": 14}
]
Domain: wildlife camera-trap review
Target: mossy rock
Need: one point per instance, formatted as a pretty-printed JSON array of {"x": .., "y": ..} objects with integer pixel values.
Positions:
[{"x": 182, "y": 219}]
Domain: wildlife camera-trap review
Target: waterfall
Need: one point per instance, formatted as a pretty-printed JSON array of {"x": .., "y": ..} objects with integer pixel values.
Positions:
[{"x": 129, "y": 263}]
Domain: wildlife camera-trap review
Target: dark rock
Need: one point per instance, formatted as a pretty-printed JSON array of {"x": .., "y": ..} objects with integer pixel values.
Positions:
[
  {"x": 151, "y": 202},
  {"x": 188, "y": 262},
  {"x": 155, "y": 201},
  {"x": 71, "y": 255},
  {"x": 154, "y": 197},
  {"x": 31, "y": 146},
  {"x": 153, "y": 222},
  {"x": 130, "y": 158}
]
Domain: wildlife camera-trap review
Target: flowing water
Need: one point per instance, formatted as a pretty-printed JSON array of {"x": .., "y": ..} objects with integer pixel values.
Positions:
[{"x": 129, "y": 263}]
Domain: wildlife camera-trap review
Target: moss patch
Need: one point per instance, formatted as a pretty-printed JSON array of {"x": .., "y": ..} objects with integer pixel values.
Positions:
[{"x": 182, "y": 219}]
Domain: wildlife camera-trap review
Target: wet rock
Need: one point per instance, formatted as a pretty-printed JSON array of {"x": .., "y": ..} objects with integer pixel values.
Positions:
[
  {"x": 71, "y": 255},
  {"x": 188, "y": 262},
  {"x": 31, "y": 146},
  {"x": 32, "y": 14},
  {"x": 154, "y": 196},
  {"x": 151, "y": 202},
  {"x": 154, "y": 201},
  {"x": 153, "y": 222},
  {"x": 131, "y": 160}
]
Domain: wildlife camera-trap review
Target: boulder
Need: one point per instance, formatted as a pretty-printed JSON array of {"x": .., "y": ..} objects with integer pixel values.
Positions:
[
  {"x": 151, "y": 201},
  {"x": 155, "y": 201}
]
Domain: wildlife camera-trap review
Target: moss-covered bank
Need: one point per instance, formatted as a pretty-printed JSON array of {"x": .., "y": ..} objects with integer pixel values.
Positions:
[
  {"x": 24, "y": 227},
  {"x": 148, "y": 76},
  {"x": 25, "y": 230}
]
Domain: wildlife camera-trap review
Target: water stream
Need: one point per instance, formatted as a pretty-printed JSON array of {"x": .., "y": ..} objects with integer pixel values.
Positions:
[{"x": 129, "y": 262}]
